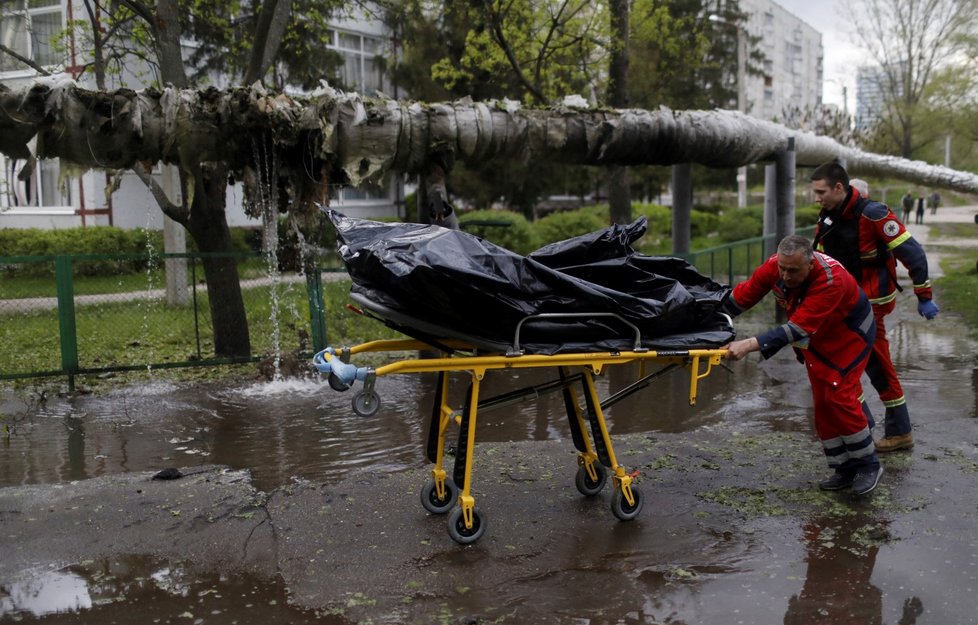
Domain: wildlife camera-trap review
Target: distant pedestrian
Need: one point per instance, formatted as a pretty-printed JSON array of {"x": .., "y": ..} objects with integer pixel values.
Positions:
[
  {"x": 907, "y": 206},
  {"x": 920, "y": 210},
  {"x": 934, "y": 201}
]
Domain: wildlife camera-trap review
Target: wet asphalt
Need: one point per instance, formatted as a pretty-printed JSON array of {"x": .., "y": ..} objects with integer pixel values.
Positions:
[{"x": 733, "y": 530}]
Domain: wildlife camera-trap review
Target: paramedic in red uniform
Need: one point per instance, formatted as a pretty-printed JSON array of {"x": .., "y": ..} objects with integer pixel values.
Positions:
[
  {"x": 830, "y": 324},
  {"x": 868, "y": 239}
]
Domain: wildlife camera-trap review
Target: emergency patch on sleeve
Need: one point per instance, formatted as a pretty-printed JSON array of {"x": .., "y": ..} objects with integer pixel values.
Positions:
[{"x": 891, "y": 228}]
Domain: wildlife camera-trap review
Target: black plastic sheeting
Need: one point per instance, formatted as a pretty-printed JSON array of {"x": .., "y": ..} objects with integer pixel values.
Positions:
[{"x": 433, "y": 283}]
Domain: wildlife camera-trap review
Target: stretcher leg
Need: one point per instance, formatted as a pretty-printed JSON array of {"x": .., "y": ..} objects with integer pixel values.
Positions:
[
  {"x": 574, "y": 419},
  {"x": 440, "y": 493},
  {"x": 599, "y": 430},
  {"x": 465, "y": 524},
  {"x": 626, "y": 501},
  {"x": 591, "y": 476}
]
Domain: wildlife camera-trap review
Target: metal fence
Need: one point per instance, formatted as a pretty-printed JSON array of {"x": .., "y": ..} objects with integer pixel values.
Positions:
[
  {"x": 91, "y": 314},
  {"x": 737, "y": 260}
]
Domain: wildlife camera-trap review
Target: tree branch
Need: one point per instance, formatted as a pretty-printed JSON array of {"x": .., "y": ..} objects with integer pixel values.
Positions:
[
  {"x": 26, "y": 61},
  {"x": 495, "y": 24},
  {"x": 179, "y": 214},
  {"x": 143, "y": 10},
  {"x": 272, "y": 22}
]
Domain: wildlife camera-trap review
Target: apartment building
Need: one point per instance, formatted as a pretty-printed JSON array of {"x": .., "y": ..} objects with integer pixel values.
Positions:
[
  {"x": 793, "y": 65},
  {"x": 52, "y": 198}
]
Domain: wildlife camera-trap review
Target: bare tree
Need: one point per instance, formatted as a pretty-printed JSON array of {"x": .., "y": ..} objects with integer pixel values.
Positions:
[{"x": 913, "y": 43}]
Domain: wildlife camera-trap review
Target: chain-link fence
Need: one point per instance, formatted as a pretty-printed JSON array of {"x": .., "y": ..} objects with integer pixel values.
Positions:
[{"x": 68, "y": 315}]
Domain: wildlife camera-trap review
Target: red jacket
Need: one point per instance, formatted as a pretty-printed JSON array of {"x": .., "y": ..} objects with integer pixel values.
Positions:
[
  {"x": 868, "y": 239},
  {"x": 828, "y": 315}
]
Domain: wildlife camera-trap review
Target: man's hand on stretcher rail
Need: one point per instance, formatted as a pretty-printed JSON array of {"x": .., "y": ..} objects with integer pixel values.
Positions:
[{"x": 738, "y": 349}]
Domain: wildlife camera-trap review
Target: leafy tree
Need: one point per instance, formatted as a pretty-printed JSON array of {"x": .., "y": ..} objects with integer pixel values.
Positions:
[
  {"x": 664, "y": 52},
  {"x": 925, "y": 51},
  {"x": 237, "y": 41},
  {"x": 682, "y": 59}
]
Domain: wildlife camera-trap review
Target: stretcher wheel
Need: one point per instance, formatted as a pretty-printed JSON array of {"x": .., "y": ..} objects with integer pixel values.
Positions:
[
  {"x": 366, "y": 403},
  {"x": 336, "y": 383},
  {"x": 430, "y": 501},
  {"x": 620, "y": 507},
  {"x": 585, "y": 485},
  {"x": 461, "y": 534}
]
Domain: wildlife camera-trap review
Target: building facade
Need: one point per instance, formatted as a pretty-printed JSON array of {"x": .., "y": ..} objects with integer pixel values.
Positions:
[
  {"x": 872, "y": 85},
  {"x": 793, "y": 61},
  {"x": 49, "y": 197}
]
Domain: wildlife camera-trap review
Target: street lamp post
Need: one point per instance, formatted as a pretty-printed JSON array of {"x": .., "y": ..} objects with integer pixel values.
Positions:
[{"x": 741, "y": 96}]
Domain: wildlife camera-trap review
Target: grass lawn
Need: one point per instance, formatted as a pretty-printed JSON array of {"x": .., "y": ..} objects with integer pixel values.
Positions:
[
  {"x": 152, "y": 332},
  {"x": 957, "y": 289}
]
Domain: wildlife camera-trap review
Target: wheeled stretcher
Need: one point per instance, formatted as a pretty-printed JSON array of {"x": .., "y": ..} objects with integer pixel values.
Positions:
[
  {"x": 576, "y": 307},
  {"x": 575, "y": 373}
]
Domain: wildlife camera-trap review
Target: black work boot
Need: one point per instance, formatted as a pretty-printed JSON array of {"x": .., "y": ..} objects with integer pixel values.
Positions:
[
  {"x": 838, "y": 481},
  {"x": 866, "y": 481}
]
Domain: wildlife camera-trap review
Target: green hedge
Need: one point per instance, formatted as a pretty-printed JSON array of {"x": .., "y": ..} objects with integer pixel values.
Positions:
[
  {"x": 567, "y": 224},
  {"x": 741, "y": 223},
  {"x": 77, "y": 241},
  {"x": 508, "y": 229},
  {"x": 96, "y": 240}
]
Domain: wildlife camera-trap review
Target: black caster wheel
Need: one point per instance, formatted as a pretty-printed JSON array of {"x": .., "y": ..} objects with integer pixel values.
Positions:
[
  {"x": 585, "y": 485},
  {"x": 461, "y": 534},
  {"x": 430, "y": 501},
  {"x": 366, "y": 403},
  {"x": 336, "y": 383},
  {"x": 620, "y": 507}
]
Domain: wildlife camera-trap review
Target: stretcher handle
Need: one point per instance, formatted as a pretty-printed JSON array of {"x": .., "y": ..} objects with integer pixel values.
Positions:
[{"x": 516, "y": 351}]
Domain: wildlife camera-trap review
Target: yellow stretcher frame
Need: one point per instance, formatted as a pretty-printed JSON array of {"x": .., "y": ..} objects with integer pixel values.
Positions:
[{"x": 439, "y": 495}]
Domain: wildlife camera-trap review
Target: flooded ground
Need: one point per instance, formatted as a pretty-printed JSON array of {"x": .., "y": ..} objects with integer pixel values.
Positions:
[{"x": 294, "y": 509}]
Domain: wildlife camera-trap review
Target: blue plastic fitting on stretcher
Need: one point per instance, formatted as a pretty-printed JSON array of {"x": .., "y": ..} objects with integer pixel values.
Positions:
[
  {"x": 341, "y": 376},
  {"x": 327, "y": 362}
]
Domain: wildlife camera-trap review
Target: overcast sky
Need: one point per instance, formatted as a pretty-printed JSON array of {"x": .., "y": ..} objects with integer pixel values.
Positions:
[{"x": 841, "y": 55}]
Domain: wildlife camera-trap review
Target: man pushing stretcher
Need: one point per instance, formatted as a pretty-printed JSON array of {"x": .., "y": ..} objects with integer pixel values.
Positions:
[{"x": 832, "y": 328}]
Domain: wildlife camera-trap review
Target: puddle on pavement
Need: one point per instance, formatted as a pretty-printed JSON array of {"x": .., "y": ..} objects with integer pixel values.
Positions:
[
  {"x": 303, "y": 429},
  {"x": 141, "y": 589},
  {"x": 290, "y": 430}
]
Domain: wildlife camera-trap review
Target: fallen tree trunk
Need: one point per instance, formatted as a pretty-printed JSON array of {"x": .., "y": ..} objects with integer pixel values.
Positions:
[{"x": 345, "y": 138}]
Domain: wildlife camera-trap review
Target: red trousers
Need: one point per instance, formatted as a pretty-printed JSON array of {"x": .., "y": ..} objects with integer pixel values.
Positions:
[
  {"x": 838, "y": 411},
  {"x": 880, "y": 368},
  {"x": 841, "y": 424},
  {"x": 884, "y": 378}
]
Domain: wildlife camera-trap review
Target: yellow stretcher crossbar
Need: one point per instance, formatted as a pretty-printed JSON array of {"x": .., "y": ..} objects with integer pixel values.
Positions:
[
  {"x": 589, "y": 430},
  {"x": 699, "y": 361}
]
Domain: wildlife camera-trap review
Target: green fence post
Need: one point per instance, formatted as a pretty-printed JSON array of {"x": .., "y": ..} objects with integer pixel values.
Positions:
[
  {"x": 730, "y": 265},
  {"x": 66, "y": 318},
  {"x": 317, "y": 309}
]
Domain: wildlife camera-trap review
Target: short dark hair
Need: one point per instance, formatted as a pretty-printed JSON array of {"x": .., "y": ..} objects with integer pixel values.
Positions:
[{"x": 831, "y": 172}]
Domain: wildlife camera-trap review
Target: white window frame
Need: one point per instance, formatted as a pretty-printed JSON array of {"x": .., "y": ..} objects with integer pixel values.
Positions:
[
  {"x": 25, "y": 42},
  {"x": 31, "y": 195},
  {"x": 359, "y": 54}
]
